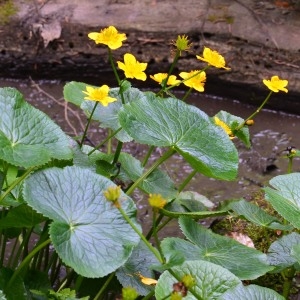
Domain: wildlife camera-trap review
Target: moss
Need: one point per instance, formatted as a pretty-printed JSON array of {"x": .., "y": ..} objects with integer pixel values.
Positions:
[{"x": 7, "y": 10}]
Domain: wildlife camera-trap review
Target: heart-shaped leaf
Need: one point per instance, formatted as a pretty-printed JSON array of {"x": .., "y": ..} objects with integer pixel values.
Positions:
[
  {"x": 250, "y": 292},
  {"x": 279, "y": 253},
  {"x": 210, "y": 280},
  {"x": 256, "y": 215},
  {"x": 244, "y": 262},
  {"x": 173, "y": 123},
  {"x": 28, "y": 137},
  {"x": 140, "y": 262},
  {"x": 285, "y": 197},
  {"x": 88, "y": 232}
]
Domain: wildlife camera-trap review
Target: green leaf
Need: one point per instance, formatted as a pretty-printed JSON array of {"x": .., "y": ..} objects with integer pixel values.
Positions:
[
  {"x": 73, "y": 92},
  {"x": 28, "y": 137},
  {"x": 20, "y": 217},
  {"x": 131, "y": 169},
  {"x": 108, "y": 116},
  {"x": 256, "y": 215},
  {"x": 190, "y": 201},
  {"x": 65, "y": 294},
  {"x": 250, "y": 292},
  {"x": 295, "y": 252},
  {"x": 244, "y": 262},
  {"x": 279, "y": 253},
  {"x": 15, "y": 292},
  {"x": 139, "y": 262},
  {"x": 173, "y": 123},
  {"x": 285, "y": 197},
  {"x": 233, "y": 121},
  {"x": 211, "y": 280},
  {"x": 88, "y": 232}
]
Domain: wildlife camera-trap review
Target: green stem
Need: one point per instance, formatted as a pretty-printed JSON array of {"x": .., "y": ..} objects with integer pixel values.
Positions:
[
  {"x": 147, "y": 156},
  {"x": 150, "y": 247},
  {"x": 117, "y": 152},
  {"x": 116, "y": 74},
  {"x": 149, "y": 234},
  {"x": 26, "y": 261},
  {"x": 255, "y": 113},
  {"x": 149, "y": 296},
  {"x": 162, "y": 225},
  {"x": 288, "y": 275},
  {"x": 16, "y": 182},
  {"x": 88, "y": 124},
  {"x": 113, "y": 66},
  {"x": 186, "y": 181},
  {"x": 187, "y": 94},
  {"x": 165, "y": 156},
  {"x": 12, "y": 253},
  {"x": 104, "y": 286},
  {"x": 157, "y": 241},
  {"x": 103, "y": 142},
  {"x": 290, "y": 165},
  {"x": 23, "y": 245},
  {"x": 109, "y": 144},
  {"x": 177, "y": 55}
]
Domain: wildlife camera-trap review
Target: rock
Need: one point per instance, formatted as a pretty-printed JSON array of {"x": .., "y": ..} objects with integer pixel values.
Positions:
[{"x": 259, "y": 39}]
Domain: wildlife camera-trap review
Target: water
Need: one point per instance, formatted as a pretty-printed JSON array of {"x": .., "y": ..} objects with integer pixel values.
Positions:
[{"x": 272, "y": 133}]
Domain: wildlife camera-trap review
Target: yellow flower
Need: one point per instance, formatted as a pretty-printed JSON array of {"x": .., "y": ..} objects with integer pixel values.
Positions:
[
  {"x": 196, "y": 82},
  {"x": 276, "y": 84},
  {"x": 133, "y": 68},
  {"x": 113, "y": 193},
  {"x": 213, "y": 58},
  {"x": 224, "y": 126},
  {"x": 182, "y": 43},
  {"x": 99, "y": 94},
  {"x": 159, "y": 77},
  {"x": 157, "y": 201},
  {"x": 108, "y": 36}
]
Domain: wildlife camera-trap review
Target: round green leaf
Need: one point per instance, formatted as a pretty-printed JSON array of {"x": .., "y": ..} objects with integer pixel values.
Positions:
[
  {"x": 280, "y": 251},
  {"x": 140, "y": 262},
  {"x": 284, "y": 197},
  {"x": 173, "y": 123},
  {"x": 243, "y": 261},
  {"x": 28, "y": 137},
  {"x": 250, "y": 292},
  {"x": 88, "y": 232},
  {"x": 211, "y": 280}
]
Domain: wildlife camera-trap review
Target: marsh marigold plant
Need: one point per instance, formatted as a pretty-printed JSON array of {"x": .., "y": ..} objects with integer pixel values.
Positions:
[
  {"x": 160, "y": 77},
  {"x": 276, "y": 84},
  {"x": 132, "y": 68},
  {"x": 109, "y": 37},
  {"x": 99, "y": 94},
  {"x": 196, "y": 81},
  {"x": 213, "y": 58}
]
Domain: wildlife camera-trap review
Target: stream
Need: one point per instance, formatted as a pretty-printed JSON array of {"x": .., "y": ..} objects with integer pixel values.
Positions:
[{"x": 271, "y": 134}]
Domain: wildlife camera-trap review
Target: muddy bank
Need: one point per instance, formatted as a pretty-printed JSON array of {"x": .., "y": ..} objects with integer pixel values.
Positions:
[{"x": 48, "y": 39}]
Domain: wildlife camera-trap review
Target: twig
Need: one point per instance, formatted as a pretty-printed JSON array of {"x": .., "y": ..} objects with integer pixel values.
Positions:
[{"x": 65, "y": 105}]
